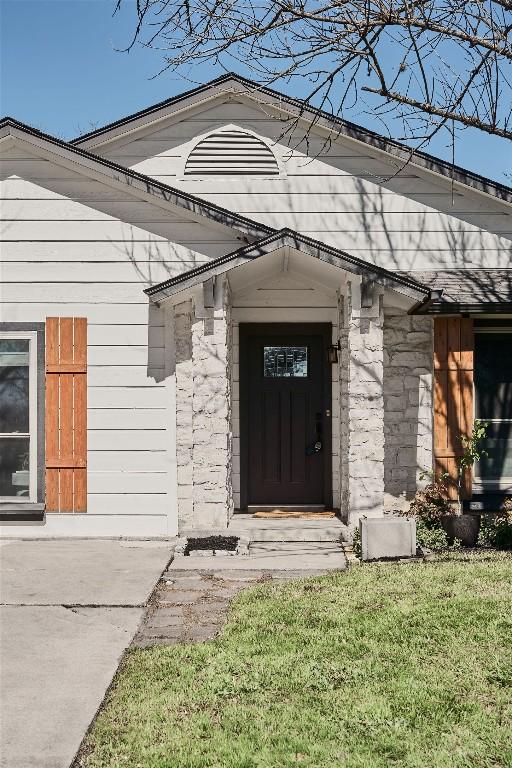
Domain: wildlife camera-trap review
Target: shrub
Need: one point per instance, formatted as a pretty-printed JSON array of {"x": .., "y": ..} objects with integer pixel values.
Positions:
[
  {"x": 496, "y": 530},
  {"x": 430, "y": 505},
  {"x": 356, "y": 542},
  {"x": 430, "y": 537}
]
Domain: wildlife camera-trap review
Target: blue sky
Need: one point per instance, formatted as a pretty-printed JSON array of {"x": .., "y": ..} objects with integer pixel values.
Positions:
[{"x": 60, "y": 72}]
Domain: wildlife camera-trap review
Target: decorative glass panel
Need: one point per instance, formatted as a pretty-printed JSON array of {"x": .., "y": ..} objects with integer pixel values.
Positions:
[
  {"x": 14, "y": 385},
  {"x": 14, "y": 466},
  {"x": 285, "y": 362}
]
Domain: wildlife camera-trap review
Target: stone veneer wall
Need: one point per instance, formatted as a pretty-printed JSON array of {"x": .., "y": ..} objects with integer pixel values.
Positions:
[
  {"x": 361, "y": 410},
  {"x": 407, "y": 385},
  {"x": 203, "y": 417},
  {"x": 184, "y": 433}
]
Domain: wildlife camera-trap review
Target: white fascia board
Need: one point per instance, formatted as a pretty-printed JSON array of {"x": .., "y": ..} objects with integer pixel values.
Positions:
[
  {"x": 197, "y": 101},
  {"x": 147, "y": 191},
  {"x": 153, "y": 119}
]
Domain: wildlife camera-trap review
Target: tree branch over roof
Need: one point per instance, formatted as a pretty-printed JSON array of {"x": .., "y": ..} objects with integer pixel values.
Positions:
[{"x": 421, "y": 63}]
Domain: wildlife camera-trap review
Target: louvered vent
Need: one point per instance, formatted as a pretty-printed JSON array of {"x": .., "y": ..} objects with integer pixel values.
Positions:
[{"x": 231, "y": 153}]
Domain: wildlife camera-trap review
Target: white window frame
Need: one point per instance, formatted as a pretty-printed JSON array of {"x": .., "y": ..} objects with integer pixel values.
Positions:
[
  {"x": 31, "y": 336},
  {"x": 505, "y": 482}
]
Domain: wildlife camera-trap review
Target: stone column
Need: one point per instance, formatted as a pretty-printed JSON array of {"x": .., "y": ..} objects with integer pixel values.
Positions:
[
  {"x": 211, "y": 417},
  {"x": 183, "y": 314},
  {"x": 362, "y": 404},
  {"x": 203, "y": 412}
]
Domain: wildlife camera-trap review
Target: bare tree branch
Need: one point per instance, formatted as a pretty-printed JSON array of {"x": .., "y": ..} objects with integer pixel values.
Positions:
[{"x": 429, "y": 64}]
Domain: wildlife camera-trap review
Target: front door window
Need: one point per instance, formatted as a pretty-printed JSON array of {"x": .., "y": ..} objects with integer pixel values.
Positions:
[{"x": 285, "y": 362}]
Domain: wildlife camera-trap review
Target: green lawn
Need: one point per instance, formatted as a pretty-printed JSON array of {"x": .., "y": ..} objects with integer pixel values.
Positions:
[{"x": 386, "y": 665}]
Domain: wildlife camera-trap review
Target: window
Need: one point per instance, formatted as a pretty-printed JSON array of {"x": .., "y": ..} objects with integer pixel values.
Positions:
[
  {"x": 18, "y": 417},
  {"x": 493, "y": 403},
  {"x": 285, "y": 362},
  {"x": 21, "y": 413}
]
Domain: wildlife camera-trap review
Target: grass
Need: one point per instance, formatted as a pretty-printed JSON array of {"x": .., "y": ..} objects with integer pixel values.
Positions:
[{"x": 386, "y": 665}]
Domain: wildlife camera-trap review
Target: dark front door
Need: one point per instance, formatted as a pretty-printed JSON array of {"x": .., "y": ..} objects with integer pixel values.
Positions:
[{"x": 285, "y": 429}]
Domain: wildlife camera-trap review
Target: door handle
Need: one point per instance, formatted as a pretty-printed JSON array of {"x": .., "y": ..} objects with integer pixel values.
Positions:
[{"x": 316, "y": 447}]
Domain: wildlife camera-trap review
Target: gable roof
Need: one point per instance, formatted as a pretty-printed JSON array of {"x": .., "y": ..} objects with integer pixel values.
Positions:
[
  {"x": 137, "y": 182},
  {"x": 288, "y": 237},
  {"x": 232, "y": 82}
]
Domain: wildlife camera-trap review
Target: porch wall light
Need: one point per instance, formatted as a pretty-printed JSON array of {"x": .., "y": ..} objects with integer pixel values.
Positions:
[{"x": 332, "y": 353}]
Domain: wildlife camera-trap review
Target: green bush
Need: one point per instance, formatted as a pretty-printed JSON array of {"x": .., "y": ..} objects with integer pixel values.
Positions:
[
  {"x": 430, "y": 505},
  {"x": 496, "y": 530},
  {"x": 430, "y": 536},
  {"x": 356, "y": 542}
]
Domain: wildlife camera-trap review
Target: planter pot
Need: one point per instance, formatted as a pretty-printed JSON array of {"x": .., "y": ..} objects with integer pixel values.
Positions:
[{"x": 465, "y": 528}]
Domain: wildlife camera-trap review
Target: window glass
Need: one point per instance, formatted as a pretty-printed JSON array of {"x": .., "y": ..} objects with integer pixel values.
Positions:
[
  {"x": 14, "y": 385},
  {"x": 493, "y": 403},
  {"x": 15, "y": 417},
  {"x": 285, "y": 362},
  {"x": 14, "y": 466}
]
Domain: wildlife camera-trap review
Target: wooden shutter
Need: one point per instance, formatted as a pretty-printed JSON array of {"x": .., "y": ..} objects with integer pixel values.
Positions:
[
  {"x": 66, "y": 414},
  {"x": 453, "y": 396}
]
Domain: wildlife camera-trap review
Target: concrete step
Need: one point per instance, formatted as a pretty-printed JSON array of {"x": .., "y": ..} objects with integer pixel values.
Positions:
[
  {"x": 295, "y": 534},
  {"x": 273, "y": 562},
  {"x": 305, "y": 548},
  {"x": 287, "y": 529}
]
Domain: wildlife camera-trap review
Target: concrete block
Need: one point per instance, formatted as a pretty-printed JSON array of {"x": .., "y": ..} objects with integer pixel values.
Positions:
[{"x": 387, "y": 537}]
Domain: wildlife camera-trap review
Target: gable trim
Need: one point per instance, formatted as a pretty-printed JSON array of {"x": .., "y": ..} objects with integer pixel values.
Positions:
[
  {"x": 252, "y": 90},
  {"x": 195, "y": 206},
  {"x": 302, "y": 243}
]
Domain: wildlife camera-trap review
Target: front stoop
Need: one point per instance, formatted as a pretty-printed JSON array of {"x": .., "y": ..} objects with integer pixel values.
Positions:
[{"x": 285, "y": 545}]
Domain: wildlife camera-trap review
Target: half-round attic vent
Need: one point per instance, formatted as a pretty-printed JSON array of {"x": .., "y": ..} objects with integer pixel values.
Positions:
[{"x": 231, "y": 153}]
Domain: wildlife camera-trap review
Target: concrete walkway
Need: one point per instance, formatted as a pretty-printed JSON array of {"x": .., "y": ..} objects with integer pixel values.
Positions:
[
  {"x": 69, "y": 609},
  {"x": 191, "y": 601}
]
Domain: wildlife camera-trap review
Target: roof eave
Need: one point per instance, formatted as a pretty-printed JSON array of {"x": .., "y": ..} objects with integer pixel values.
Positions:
[
  {"x": 462, "y": 308},
  {"x": 332, "y": 123},
  {"x": 196, "y": 207},
  {"x": 302, "y": 243}
]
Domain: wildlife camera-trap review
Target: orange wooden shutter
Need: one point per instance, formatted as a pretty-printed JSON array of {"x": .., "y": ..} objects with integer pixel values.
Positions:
[
  {"x": 66, "y": 414},
  {"x": 453, "y": 396}
]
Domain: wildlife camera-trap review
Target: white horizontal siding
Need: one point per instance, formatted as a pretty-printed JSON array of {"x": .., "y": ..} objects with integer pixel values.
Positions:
[
  {"x": 137, "y": 273},
  {"x": 131, "y": 418},
  {"x": 75, "y": 247},
  {"x": 71, "y": 292},
  {"x": 343, "y": 193},
  {"x": 104, "y": 397},
  {"x": 64, "y": 209},
  {"x": 143, "y": 252},
  {"x": 126, "y": 354},
  {"x": 128, "y": 461},
  {"x": 127, "y": 503},
  {"x": 93, "y": 524},
  {"x": 107, "y": 335},
  {"x": 112, "y": 313},
  {"x": 125, "y": 375},
  {"x": 109, "y": 482}
]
